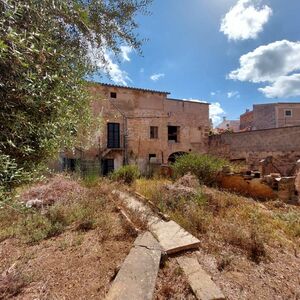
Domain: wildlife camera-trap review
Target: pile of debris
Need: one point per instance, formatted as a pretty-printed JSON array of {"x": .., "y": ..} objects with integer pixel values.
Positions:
[
  {"x": 56, "y": 188},
  {"x": 262, "y": 185}
]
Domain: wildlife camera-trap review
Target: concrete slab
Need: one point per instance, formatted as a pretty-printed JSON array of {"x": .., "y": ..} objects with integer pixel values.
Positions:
[
  {"x": 137, "y": 276},
  {"x": 172, "y": 237},
  {"x": 201, "y": 283}
]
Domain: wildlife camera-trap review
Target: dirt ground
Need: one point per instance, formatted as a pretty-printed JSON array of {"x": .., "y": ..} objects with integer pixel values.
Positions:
[
  {"x": 278, "y": 277},
  {"x": 75, "y": 263},
  {"x": 71, "y": 266},
  {"x": 171, "y": 283}
]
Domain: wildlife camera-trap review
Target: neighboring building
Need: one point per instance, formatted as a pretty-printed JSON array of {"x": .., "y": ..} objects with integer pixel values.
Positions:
[
  {"x": 246, "y": 120},
  {"x": 228, "y": 125},
  {"x": 271, "y": 115},
  {"x": 144, "y": 125}
]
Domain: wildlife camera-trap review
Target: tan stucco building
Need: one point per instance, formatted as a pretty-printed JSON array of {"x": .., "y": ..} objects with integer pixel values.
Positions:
[{"x": 144, "y": 126}]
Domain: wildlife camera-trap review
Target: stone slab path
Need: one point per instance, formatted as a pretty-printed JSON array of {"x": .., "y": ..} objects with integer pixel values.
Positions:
[
  {"x": 137, "y": 276},
  {"x": 201, "y": 283},
  {"x": 170, "y": 235},
  {"x": 136, "y": 279}
]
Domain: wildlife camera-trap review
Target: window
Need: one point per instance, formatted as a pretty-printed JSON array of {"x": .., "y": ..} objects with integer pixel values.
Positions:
[
  {"x": 288, "y": 113},
  {"x": 153, "y": 132},
  {"x": 113, "y": 95},
  {"x": 113, "y": 135},
  {"x": 173, "y": 134},
  {"x": 152, "y": 156}
]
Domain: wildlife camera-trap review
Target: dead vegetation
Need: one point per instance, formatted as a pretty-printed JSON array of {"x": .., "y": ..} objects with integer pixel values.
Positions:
[
  {"x": 76, "y": 240},
  {"x": 237, "y": 233}
]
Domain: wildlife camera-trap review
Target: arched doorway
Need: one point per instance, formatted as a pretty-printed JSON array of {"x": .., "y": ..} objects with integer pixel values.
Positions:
[{"x": 172, "y": 158}]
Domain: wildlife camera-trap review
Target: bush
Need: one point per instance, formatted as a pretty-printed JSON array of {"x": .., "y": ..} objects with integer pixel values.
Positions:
[
  {"x": 127, "y": 174},
  {"x": 205, "y": 167}
]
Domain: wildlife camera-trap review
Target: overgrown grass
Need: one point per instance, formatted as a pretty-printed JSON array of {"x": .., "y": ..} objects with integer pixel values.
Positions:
[
  {"x": 204, "y": 167},
  {"x": 225, "y": 218},
  {"x": 126, "y": 174}
]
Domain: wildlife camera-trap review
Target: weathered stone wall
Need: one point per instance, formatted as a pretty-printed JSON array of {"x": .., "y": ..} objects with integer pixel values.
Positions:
[
  {"x": 246, "y": 120},
  {"x": 272, "y": 115},
  {"x": 282, "y": 119},
  {"x": 264, "y": 116},
  {"x": 137, "y": 110},
  {"x": 252, "y": 146}
]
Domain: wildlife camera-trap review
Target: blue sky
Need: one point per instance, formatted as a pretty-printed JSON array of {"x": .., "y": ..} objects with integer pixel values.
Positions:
[{"x": 194, "y": 47}]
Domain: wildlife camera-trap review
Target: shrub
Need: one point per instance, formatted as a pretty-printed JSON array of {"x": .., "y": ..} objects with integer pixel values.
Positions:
[
  {"x": 127, "y": 174},
  {"x": 205, "y": 167}
]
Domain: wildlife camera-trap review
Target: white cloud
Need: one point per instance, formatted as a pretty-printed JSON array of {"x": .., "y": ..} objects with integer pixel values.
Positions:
[
  {"x": 125, "y": 51},
  {"x": 117, "y": 75},
  {"x": 284, "y": 86},
  {"x": 212, "y": 93},
  {"x": 156, "y": 77},
  {"x": 275, "y": 63},
  {"x": 245, "y": 20},
  {"x": 216, "y": 113},
  {"x": 267, "y": 62},
  {"x": 106, "y": 62},
  {"x": 233, "y": 94}
]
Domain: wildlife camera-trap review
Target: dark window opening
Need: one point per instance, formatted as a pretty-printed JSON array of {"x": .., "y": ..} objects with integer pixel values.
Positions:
[
  {"x": 288, "y": 113},
  {"x": 69, "y": 164},
  {"x": 113, "y": 95},
  {"x": 173, "y": 134},
  {"x": 108, "y": 166},
  {"x": 153, "y": 132},
  {"x": 152, "y": 156},
  {"x": 113, "y": 135}
]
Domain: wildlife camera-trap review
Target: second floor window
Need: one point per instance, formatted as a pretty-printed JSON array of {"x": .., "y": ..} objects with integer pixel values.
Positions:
[
  {"x": 173, "y": 134},
  {"x": 153, "y": 132},
  {"x": 113, "y": 95}
]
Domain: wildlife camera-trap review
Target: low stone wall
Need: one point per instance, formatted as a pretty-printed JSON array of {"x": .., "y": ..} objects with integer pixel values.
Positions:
[{"x": 283, "y": 144}]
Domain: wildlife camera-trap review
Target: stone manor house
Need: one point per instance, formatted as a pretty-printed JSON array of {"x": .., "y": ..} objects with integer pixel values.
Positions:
[{"x": 142, "y": 127}]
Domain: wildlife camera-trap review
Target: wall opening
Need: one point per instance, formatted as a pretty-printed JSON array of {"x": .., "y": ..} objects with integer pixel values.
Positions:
[
  {"x": 108, "y": 166},
  {"x": 172, "y": 158},
  {"x": 173, "y": 134}
]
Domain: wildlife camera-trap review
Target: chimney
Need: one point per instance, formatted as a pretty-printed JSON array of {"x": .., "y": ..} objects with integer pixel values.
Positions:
[
  {"x": 224, "y": 119},
  {"x": 247, "y": 110}
]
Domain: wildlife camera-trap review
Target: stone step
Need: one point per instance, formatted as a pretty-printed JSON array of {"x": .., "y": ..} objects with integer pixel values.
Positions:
[
  {"x": 172, "y": 237},
  {"x": 200, "y": 281},
  {"x": 137, "y": 276}
]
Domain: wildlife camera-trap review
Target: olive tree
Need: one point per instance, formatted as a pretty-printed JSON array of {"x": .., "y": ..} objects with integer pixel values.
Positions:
[{"x": 45, "y": 57}]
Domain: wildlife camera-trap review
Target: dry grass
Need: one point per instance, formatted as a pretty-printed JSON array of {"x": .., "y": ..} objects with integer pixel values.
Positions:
[
  {"x": 11, "y": 283},
  {"x": 77, "y": 208},
  {"x": 70, "y": 247},
  {"x": 227, "y": 218}
]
